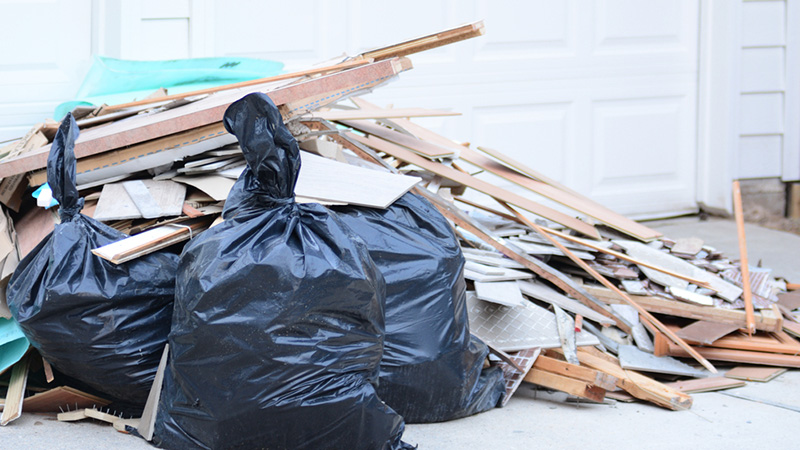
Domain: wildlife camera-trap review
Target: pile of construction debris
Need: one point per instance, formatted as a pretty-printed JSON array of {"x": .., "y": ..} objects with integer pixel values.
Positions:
[{"x": 574, "y": 298}]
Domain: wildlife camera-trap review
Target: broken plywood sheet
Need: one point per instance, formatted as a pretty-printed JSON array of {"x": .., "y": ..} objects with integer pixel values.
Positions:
[
  {"x": 547, "y": 294},
  {"x": 513, "y": 377},
  {"x": 505, "y": 293},
  {"x": 640, "y": 251},
  {"x": 50, "y": 401},
  {"x": 140, "y": 198},
  {"x": 632, "y": 358},
  {"x": 516, "y": 328},
  {"x": 705, "y": 332},
  {"x": 502, "y": 274},
  {"x": 711, "y": 384},
  {"x": 751, "y": 373}
]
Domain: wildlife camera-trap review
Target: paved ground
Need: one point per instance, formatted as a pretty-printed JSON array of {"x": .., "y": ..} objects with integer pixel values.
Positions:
[{"x": 759, "y": 415}]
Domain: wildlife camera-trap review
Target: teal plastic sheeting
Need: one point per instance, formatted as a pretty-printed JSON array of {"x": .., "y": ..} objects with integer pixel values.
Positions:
[
  {"x": 13, "y": 343},
  {"x": 114, "y": 81}
]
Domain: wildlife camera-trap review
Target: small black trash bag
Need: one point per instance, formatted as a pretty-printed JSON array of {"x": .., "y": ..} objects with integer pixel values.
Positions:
[
  {"x": 100, "y": 323},
  {"x": 432, "y": 368},
  {"x": 277, "y": 335}
]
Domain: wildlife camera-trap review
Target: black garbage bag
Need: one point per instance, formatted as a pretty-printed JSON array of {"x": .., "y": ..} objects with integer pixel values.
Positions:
[
  {"x": 431, "y": 369},
  {"x": 103, "y": 324},
  {"x": 277, "y": 334}
]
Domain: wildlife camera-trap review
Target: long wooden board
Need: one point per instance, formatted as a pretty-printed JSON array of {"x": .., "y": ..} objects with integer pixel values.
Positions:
[
  {"x": 741, "y": 356},
  {"x": 590, "y": 208},
  {"x": 210, "y": 110},
  {"x": 426, "y": 42},
  {"x": 479, "y": 185},
  {"x": 766, "y": 319}
]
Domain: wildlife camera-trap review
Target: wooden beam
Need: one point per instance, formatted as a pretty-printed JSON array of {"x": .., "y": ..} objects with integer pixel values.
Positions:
[
  {"x": 642, "y": 312},
  {"x": 558, "y": 367},
  {"x": 426, "y": 42},
  {"x": 766, "y": 319},
  {"x": 479, "y": 185},
  {"x": 741, "y": 356},
  {"x": 748, "y": 292},
  {"x": 562, "y": 383}
]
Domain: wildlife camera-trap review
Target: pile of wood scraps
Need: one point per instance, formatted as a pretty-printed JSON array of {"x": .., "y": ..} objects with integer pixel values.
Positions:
[{"x": 569, "y": 295}]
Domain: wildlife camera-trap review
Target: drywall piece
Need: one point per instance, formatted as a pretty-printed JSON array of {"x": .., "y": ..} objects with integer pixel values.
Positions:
[
  {"x": 505, "y": 275},
  {"x": 505, "y": 293},
  {"x": 691, "y": 297},
  {"x": 516, "y": 328},
  {"x": 148, "y": 420},
  {"x": 542, "y": 249},
  {"x": 627, "y": 312},
  {"x": 536, "y": 239},
  {"x": 50, "y": 401},
  {"x": 750, "y": 373},
  {"x": 217, "y": 187},
  {"x": 641, "y": 338},
  {"x": 513, "y": 377},
  {"x": 705, "y": 332},
  {"x": 638, "y": 250},
  {"x": 632, "y": 358},
  {"x": 492, "y": 259},
  {"x": 634, "y": 287},
  {"x": 705, "y": 385},
  {"x": 142, "y": 199},
  {"x": 156, "y": 198},
  {"x": 687, "y": 246},
  {"x": 482, "y": 268},
  {"x": 566, "y": 333},
  {"x": 544, "y": 293}
]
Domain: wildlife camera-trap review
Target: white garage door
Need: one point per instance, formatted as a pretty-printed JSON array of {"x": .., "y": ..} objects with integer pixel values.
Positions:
[{"x": 599, "y": 95}]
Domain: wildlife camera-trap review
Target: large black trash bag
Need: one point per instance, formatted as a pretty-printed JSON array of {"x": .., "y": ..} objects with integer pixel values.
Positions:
[
  {"x": 432, "y": 368},
  {"x": 277, "y": 334},
  {"x": 103, "y": 324}
]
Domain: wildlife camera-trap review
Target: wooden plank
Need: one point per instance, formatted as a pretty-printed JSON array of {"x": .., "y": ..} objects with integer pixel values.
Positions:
[
  {"x": 562, "y": 383},
  {"x": 479, "y": 185},
  {"x": 556, "y": 366},
  {"x": 426, "y": 42},
  {"x": 750, "y": 373},
  {"x": 740, "y": 356},
  {"x": 710, "y": 384},
  {"x": 12, "y": 407},
  {"x": 745, "y": 268},
  {"x": 504, "y": 293},
  {"x": 151, "y": 240},
  {"x": 640, "y": 386},
  {"x": 766, "y": 319},
  {"x": 705, "y": 332},
  {"x": 362, "y": 114},
  {"x": 536, "y": 266},
  {"x": 315, "y": 93},
  {"x": 284, "y": 76},
  {"x": 655, "y": 323},
  {"x": 51, "y": 400}
]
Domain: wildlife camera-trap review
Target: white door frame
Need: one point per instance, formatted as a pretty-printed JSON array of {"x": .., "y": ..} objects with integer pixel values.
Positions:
[
  {"x": 718, "y": 103},
  {"x": 791, "y": 130}
]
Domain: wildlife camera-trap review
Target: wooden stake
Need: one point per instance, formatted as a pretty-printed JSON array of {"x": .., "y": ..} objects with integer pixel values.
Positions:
[
  {"x": 642, "y": 312},
  {"x": 748, "y": 293}
]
